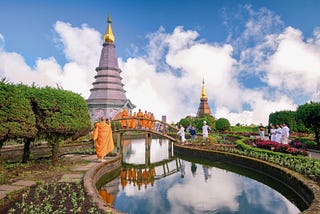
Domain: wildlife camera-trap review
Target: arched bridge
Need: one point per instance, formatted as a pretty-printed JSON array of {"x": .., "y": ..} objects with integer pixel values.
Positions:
[{"x": 136, "y": 124}]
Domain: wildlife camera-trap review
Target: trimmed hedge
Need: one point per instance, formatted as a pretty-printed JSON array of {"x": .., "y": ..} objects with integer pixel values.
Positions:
[{"x": 42, "y": 113}]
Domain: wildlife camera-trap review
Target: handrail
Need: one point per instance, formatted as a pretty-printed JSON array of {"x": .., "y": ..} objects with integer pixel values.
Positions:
[{"x": 143, "y": 125}]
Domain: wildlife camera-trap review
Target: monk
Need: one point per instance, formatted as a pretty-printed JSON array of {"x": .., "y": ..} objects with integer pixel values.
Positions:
[
  {"x": 145, "y": 120},
  {"x": 133, "y": 121},
  {"x": 124, "y": 116},
  {"x": 102, "y": 135},
  {"x": 152, "y": 121},
  {"x": 130, "y": 120},
  {"x": 140, "y": 117}
]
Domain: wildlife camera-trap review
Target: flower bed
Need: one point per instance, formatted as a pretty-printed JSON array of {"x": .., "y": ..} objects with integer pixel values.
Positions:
[{"x": 294, "y": 149}]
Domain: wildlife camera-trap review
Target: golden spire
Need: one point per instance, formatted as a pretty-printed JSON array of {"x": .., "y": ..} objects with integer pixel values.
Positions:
[
  {"x": 108, "y": 36},
  {"x": 203, "y": 91}
]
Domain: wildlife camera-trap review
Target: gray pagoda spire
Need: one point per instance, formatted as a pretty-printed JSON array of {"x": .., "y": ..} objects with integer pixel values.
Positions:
[{"x": 107, "y": 95}]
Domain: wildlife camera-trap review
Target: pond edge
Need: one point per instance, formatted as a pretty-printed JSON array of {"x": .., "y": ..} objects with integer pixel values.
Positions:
[{"x": 305, "y": 187}]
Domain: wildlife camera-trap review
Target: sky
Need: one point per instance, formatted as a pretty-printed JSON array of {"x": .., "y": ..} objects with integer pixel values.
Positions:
[{"x": 255, "y": 57}]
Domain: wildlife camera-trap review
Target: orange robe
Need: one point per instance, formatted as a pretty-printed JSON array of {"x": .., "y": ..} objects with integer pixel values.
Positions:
[
  {"x": 124, "y": 115},
  {"x": 140, "y": 117},
  {"x": 152, "y": 122},
  {"x": 130, "y": 121},
  {"x": 103, "y": 137},
  {"x": 144, "y": 121},
  {"x": 107, "y": 197},
  {"x": 133, "y": 121}
]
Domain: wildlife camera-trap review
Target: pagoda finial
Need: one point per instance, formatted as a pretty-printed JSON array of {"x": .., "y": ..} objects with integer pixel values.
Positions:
[
  {"x": 203, "y": 91},
  {"x": 108, "y": 36}
]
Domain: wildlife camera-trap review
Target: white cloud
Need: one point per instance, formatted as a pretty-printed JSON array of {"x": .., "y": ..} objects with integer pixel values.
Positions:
[
  {"x": 81, "y": 47},
  {"x": 199, "y": 196},
  {"x": 295, "y": 64},
  {"x": 167, "y": 79}
]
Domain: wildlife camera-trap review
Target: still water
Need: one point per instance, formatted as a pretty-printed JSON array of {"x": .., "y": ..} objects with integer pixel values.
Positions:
[{"x": 153, "y": 180}]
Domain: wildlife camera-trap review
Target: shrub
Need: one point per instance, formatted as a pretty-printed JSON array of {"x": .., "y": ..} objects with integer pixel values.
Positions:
[{"x": 222, "y": 124}]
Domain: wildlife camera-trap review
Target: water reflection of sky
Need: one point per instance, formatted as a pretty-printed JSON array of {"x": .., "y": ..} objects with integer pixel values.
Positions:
[
  {"x": 135, "y": 151},
  {"x": 199, "y": 189}
]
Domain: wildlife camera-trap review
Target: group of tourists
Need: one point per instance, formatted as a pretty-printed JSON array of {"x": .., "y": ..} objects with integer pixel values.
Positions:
[
  {"x": 192, "y": 131},
  {"x": 279, "y": 133},
  {"x": 138, "y": 120}
]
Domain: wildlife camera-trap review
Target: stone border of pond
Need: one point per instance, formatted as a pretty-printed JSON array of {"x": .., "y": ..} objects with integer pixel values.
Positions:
[
  {"x": 304, "y": 187},
  {"x": 96, "y": 173}
]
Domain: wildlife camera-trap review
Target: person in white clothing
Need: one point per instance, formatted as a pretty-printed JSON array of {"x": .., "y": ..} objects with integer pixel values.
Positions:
[
  {"x": 181, "y": 133},
  {"x": 278, "y": 133},
  {"x": 205, "y": 130},
  {"x": 272, "y": 133},
  {"x": 285, "y": 132}
]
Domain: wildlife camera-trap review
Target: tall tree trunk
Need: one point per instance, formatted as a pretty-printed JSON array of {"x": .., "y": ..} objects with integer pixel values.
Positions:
[
  {"x": 26, "y": 150},
  {"x": 55, "y": 151},
  {"x": 1, "y": 160},
  {"x": 317, "y": 137}
]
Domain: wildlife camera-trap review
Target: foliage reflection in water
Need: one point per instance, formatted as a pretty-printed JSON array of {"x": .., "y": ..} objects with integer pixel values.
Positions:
[{"x": 167, "y": 184}]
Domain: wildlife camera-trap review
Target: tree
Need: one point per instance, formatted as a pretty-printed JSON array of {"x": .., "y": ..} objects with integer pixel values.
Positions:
[
  {"x": 17, "y": 119},
  {"x": 289, "y": 117},
  {"x": 60, "y": 115},
  {"x": 309, "y": 113},
  {"x": 211, "y": 121},
  {"x": 222, "y": 124},
  {"x": 185, "y": 122}
]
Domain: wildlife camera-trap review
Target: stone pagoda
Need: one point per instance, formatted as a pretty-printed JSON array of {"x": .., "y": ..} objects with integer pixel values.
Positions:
[
  {"x": 107, "y": 96},
  {"x": 204, "y": 106}
]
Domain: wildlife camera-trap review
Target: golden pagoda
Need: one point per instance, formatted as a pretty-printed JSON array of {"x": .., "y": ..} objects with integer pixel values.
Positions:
[{"x": 204, "y": 106}]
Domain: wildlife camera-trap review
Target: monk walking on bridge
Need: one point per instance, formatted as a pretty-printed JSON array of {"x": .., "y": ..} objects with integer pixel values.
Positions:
[
  {"x": 124, "y": 116},
  {"x": 140, "y": 118}
]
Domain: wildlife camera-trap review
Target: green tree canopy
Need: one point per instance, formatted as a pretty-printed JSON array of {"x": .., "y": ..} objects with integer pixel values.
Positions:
[
  {"x": 222, "y": 124},
  {"x": 198, "y": 121},
  {"x": 60, "y": 115},
  {"x": 17, "y": 120},
  {"x": 309, "y": 113},
  {"x": 288, "y": 117},
  {"x": 43, "y": 113}
]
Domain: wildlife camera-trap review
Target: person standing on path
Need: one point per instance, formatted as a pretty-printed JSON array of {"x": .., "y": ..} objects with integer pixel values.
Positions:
[
  {"x": 278, "y": 133},
  {"x": 261, "y": 131},
  {"x": 272, "y": 133},
  {"x": 205, "y": 130},
  {"x": 285, "y": 133},
  {"x": 181, "y": 133},
  {"x": 269, "y": 130},
  {"x": 193, "y": 133},
  {"x": 102, "y": 135}
]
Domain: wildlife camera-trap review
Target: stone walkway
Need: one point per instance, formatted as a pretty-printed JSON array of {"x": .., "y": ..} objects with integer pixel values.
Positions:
[
  {"x": 314, "y": 154},
  {"x": 76, "y": 174}
]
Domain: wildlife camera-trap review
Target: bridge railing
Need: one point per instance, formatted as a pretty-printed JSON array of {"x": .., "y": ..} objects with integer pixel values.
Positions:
[{"x": 138, "y": 123}]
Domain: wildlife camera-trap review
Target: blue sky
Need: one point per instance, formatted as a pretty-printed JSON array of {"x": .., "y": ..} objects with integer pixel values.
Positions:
[{"x": 256, "y": 57}]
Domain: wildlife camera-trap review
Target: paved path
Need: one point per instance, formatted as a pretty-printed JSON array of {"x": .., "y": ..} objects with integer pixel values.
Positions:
[
  {"x": 314, "y": 154},
  {"x": 76, "y": 174}
]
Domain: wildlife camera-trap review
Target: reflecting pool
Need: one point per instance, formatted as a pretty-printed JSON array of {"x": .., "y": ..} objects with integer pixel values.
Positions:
[{"x": 153, "y": 180}]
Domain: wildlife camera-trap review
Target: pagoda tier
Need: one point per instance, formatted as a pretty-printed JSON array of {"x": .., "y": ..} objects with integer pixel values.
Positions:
[{"x": 107, "y": 95}]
